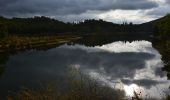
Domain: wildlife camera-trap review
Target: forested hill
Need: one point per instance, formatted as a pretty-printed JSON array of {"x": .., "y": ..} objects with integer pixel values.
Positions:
[
  {"x": 44, "y": 25},
  {"x": 36, "y": 25},
  {"x": 162, "y": 27}
]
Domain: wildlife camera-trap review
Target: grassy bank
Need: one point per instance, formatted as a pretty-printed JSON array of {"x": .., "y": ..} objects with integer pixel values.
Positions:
[{"x": 11, "y": 43}]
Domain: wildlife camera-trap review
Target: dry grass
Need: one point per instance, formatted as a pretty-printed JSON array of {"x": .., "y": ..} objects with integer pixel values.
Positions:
[
  {"x": 25, "y": 42},
  {"x": 79, "y": 88}
]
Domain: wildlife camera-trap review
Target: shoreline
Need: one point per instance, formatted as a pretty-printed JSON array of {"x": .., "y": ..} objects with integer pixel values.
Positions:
[{"x": 19, "y": 43}]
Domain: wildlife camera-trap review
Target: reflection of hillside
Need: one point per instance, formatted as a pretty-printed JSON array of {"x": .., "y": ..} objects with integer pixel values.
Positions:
[
  {"x": 3, "y": 59},
  {"x": 163, "y": 47},
  {"x": 94, "y": 40},
  {"x": 4, "y": 56}
]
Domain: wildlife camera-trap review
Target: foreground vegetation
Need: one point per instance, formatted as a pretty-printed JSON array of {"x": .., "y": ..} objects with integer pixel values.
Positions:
[{"x": 79, "y": 87}]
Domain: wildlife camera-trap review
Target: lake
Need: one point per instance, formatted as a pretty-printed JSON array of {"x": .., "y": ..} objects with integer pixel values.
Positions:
[{"x": 122, "y": 65}]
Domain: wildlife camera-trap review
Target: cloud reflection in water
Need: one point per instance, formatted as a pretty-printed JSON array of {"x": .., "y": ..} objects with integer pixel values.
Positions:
[
  {"x": 132, "y": 64},
  {"x": 125, "y": 65}
]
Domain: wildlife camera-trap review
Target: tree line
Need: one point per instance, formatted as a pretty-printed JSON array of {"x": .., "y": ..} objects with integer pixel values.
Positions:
[{"x": 46, "y": 26}]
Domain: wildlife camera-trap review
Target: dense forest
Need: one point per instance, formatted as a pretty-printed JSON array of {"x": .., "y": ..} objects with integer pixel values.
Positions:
[{"x": 47, "y": 26}]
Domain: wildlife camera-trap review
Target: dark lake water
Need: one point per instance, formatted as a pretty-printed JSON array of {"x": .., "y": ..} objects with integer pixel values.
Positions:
[{"x": 127, "y": 65}]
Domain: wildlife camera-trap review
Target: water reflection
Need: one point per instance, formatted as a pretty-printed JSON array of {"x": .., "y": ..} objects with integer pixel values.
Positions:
[
  {"x": 3, "y": 59},
  {"x": 124, "y": 65}
]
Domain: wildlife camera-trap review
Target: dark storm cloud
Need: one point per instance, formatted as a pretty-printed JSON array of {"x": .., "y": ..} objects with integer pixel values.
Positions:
[
  {"x": 160, "y": 11},
  {"x": 168, "y": 1},
  {"x": 66, "y": 7}
]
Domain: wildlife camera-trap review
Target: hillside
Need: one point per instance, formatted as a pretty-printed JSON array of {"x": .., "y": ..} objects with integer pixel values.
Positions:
[{"x": 44, "y": 25}]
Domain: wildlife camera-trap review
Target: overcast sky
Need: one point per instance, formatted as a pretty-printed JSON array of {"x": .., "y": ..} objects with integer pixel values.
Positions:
[{"x": 137, "y": 11}]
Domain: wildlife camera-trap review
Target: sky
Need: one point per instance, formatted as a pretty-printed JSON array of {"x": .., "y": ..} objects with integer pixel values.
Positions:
[{"x": 118, "y": 11}]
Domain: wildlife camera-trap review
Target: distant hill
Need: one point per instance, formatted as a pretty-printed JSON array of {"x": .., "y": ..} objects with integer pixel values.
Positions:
[
  {"x": 47, "y": 26},
  {"x": 36, "y": 25}
]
